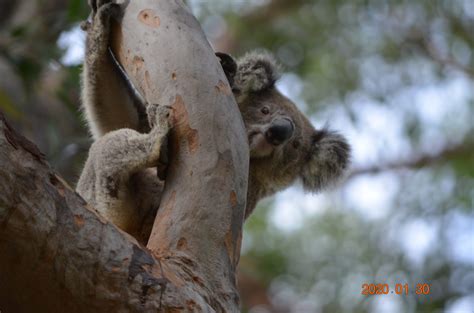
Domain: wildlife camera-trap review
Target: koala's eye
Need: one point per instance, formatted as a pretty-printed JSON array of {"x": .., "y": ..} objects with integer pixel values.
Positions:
[{"x": 265, "y": 110}]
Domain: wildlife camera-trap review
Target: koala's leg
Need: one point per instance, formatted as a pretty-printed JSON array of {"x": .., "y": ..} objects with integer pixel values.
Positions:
[
  {"x": 147, "y": 191},
  {"x": 106, "y": 181},
  {"x": 108, "y": 101}
]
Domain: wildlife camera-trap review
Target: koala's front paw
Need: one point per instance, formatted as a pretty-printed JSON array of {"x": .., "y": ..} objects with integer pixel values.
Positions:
[
  {"x": 98, "y": 31},
  {"x": 160, "y": 116}
]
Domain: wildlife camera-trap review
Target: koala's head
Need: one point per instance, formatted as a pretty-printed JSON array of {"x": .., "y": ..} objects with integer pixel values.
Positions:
[{"x": 284, "y": 146}]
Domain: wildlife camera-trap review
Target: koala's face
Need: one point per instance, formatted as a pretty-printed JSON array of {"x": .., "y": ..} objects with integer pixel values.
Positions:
[
  {"x": 268, "y": 115},
  {"x": 284, "y": 146},
  {"x": 270, "y": 122}
]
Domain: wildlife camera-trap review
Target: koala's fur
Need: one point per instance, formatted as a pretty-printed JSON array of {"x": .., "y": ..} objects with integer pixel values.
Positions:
[
  {"x": 317, "y": 157},
  {"x": 118, "y": 178}
]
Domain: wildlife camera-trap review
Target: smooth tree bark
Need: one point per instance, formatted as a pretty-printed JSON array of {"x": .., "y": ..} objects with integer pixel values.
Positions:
[{"x": 59, "y": 255}]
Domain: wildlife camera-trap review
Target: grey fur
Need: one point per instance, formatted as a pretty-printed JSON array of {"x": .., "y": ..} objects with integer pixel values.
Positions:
[
  {"x": 328, "y": 159},
  {"x": 256, "y": 71},
  {"x": 117, "y": 161},
  {"x": 107, "y": 102},
  {"x": 119, "y": 178}
]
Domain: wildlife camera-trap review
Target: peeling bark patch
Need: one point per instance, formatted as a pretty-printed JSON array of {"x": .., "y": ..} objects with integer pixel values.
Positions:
[
  {"x": 170, "y": 203},
  {"x": 229, "y": 245},
  {"x": 193, "y": 141},
  {"x": 149, "y": 18},
  {"x": 223, "y": 88},
  {"x": 147, "y": 80},
  {"x": 237, "y": 247},
  {"x": 198, "y": 280},
  {"x": 188, "y": 261},
  {"x": 137, "y": 63},
  {"x": 17, "y": 140},
  {"x": 181, "y": 122},
  {"x": 182, "y": 244},
  {"x": 79, "y": 221},
  {"x": 192, "y": 305},
  {"x": 233, "y": 198},
  {"x": 233, "y": 242}
]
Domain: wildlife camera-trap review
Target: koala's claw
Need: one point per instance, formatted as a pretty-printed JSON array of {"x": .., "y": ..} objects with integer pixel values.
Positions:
[
  {"x": 159, "y": 115},
  {"x": 101, "y": 3},
  {"x": 97, "y": 4},
  {"x": 85, "y": 25},
  {"x": 108, "y": 10}
]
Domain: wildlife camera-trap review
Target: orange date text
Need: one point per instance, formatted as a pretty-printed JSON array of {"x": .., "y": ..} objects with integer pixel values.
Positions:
[{"x": 398, "y": 289}]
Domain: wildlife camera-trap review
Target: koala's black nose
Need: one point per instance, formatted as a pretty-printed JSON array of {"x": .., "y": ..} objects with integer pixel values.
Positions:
[{"x": 280, "y": 131}]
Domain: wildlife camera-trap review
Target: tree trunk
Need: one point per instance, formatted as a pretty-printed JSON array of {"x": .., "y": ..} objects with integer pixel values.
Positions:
[{"x": 58, "y": 255}]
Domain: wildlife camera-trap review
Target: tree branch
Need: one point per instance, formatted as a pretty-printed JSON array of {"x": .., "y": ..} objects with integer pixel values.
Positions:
[
  {"x": 420, "y": 38},
  {"x": 59, "y": 255},
  {"x": 447, "y": 60},
  {"x": 463, "y": 150}
]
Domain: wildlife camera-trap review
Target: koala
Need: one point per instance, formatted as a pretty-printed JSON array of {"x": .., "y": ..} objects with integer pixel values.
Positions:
[
  {"x": 284, "y": 146},
  {"x": 120, "y": 178},
  {"x": 117, "y": 178}
]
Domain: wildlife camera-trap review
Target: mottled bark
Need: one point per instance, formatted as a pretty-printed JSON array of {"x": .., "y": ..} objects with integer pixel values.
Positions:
[{"x": 58, "y": 255}]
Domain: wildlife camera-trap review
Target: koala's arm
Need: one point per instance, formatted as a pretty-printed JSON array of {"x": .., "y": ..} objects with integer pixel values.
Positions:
[
  {"x": 106, "y": 181},
  {"x": 108, "y": 101}
]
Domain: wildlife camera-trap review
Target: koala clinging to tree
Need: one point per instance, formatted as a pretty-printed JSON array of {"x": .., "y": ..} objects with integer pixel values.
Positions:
[{"x": 119, "y": 177}]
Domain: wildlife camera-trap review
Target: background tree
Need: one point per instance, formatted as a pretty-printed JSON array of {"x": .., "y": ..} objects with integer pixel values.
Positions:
[{"x": 395, "y": 77}]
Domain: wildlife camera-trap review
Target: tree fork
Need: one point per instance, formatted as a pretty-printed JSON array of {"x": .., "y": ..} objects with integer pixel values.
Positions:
[{"x": 59, "y": 255}]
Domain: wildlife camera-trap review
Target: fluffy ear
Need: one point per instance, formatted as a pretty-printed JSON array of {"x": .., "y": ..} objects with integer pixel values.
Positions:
[
  {"x": 256, "y": 71},
  {"x": 228, "y": 65},
  {"x": 327, "y": 160}
]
